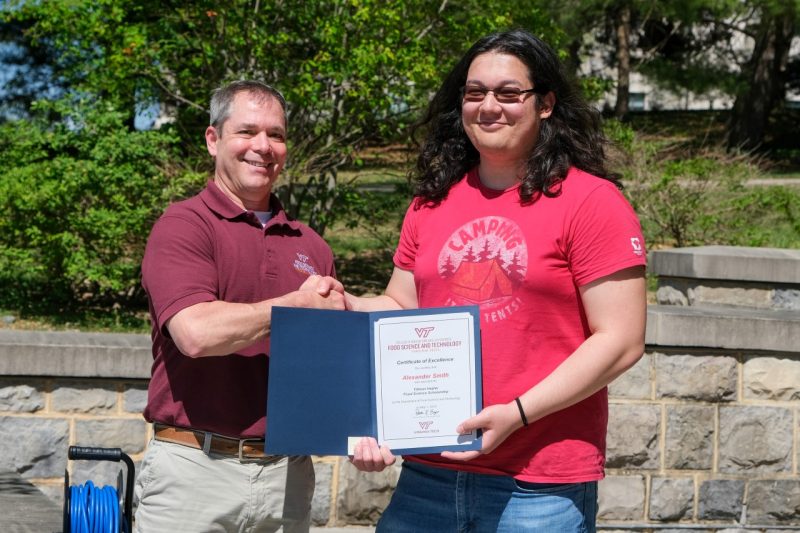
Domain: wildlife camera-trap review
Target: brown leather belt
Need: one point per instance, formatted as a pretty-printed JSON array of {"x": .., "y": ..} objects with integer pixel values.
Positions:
[{"x": 244, "y": 449}]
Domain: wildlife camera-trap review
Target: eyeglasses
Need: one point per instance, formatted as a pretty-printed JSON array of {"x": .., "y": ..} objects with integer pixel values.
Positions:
[{"x": 503, "y": 95}]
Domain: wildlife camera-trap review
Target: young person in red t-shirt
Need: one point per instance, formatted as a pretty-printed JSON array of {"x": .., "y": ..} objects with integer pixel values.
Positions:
[{"x": 516, "y": 211}]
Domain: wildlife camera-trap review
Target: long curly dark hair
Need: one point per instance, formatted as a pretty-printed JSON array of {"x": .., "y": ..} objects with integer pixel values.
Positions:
[{"x": 571, "y": 136}]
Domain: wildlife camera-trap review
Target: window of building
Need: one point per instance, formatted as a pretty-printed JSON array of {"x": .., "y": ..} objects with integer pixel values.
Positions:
[{"x": 636, "y": 102}]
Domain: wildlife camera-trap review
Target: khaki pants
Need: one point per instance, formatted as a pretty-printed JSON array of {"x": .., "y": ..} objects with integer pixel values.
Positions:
[{"x": 182, "y": 489}]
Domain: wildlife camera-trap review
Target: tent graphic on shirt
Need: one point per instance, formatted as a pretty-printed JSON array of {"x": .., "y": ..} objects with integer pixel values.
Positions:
[
  {"x": 481, "y": 281},
  {"x": 485, "y": 262}
]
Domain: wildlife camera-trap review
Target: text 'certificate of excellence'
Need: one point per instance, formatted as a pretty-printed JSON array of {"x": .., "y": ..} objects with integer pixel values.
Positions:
[
  {"x": 425, "y": 368},
  {"x": 406, "y": 378}
]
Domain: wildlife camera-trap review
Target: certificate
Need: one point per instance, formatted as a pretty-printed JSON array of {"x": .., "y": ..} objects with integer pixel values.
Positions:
[
  {"x": 425, "y": 370},
  {"x": 407, "y": 378}
]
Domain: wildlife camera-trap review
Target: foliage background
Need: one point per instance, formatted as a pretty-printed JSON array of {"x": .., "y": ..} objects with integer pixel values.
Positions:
[{"x": 81, "y": 185}]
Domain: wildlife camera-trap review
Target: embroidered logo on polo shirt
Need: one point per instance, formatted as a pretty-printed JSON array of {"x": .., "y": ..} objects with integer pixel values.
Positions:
[
  {"x": 484, "y": 262},
  {"x": 301, "y": 265}
]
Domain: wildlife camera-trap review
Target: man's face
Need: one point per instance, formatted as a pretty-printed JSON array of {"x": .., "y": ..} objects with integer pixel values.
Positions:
[
  {"x": 249, "y": 150},
  {"x": 505, "y": 131}
]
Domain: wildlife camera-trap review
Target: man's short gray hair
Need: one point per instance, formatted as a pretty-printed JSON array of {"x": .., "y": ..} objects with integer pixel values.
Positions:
[{"x": 221, "y": 98}]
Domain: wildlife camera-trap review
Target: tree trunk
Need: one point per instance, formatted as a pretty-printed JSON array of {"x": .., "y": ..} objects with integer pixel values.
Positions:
[
  {"x": 573, "y": 61},
  {"x": 765, "y": 81},
  {"x": 623, "y": 26}
]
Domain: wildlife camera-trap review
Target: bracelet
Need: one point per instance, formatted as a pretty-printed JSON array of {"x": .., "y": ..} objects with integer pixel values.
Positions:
[{"x": 521, "y": 412}]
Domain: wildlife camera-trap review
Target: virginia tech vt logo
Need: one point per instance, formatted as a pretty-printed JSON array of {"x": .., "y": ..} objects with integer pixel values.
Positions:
[{"x": 423, "y": 333}]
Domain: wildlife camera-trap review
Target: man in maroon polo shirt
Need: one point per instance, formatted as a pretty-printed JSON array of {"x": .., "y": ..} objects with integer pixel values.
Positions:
[{"x": 214, "y": 266}]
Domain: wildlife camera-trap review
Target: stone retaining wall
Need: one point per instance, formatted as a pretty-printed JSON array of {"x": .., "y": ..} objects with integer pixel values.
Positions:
[{"x": 704, "y": 431}]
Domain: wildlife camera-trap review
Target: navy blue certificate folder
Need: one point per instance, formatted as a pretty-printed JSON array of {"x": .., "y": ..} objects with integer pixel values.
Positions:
[{"x": 321, "y": 393}]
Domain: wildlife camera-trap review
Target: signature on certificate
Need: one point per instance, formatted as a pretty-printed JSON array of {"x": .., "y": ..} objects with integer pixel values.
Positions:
[{"x": 426, "y": 411}]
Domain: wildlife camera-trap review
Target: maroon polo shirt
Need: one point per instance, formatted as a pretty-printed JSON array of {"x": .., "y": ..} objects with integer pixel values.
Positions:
[{"x": 205, "y": 249}]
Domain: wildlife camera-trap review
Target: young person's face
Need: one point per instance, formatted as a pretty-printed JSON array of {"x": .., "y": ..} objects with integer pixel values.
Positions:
[
  {"x": 249, "y": 149},
  {"x": 501, "y": 127}
]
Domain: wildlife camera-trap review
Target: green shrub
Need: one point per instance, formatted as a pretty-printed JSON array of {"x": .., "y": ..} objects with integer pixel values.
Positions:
[
  {"x": 691, "y": 197},
  {"x": 768, "y": 216},
  {"x": 79, "y": 192}
]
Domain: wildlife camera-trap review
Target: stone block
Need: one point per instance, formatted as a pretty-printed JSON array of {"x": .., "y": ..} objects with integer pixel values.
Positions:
[
  {"x": 759, "y": 297},
  {"x": 84, "y": 397},
  {"x": 671, "y": 499},
  {"x": 773, "y": 502},
  {"x": 696, "y": 377},
  {"x": 786, "y": 299},
  {"x": 632, "y": 440},
  {"x": 635, "y": 384},
  {"x": 754, "y": 439},
  {"x": 134, "y": 398},
  {"x": 362, "y": 496},
  {"x": 17, "y": 396},
  {"x": 689, "y": 443},
  {"x": 621, "y": 498},
  {"x": 723, "y": 327},
  {"x": 130, "y": 435},
  {"x": 772, "y": 378},
  {"x": 75, "y": 354},
  {"x": 54, "y": 492},
  {"x": 679, "y": 529},
  {"x": 34, "y": 447},
  {"x": 720, "y": 499},
  {"x": 702, "y": 292},
  {"x": 321, "y": 503},
  {"x": 670, "y": 294},
  {"x": 740, "y": 263}
]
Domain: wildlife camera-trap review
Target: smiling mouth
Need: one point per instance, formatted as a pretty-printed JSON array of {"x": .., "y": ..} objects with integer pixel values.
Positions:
[{"x": 257, "y": 164}]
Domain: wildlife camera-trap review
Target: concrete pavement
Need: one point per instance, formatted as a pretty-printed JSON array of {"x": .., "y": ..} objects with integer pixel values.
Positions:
[{"x": 349, "y": 529}]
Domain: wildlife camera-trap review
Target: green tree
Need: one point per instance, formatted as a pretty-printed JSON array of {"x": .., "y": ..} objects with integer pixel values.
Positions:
[
  {"x": 77, "y": 199},
  {"x": 351, "y": 70},
  {"x": 738, "y": 48},
  {"x": 628, "y": 33},
  {"x": 772, "y": 25}
]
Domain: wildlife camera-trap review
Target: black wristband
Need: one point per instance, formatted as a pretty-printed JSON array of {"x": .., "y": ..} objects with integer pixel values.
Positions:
[{"x": 521, "y": 412}]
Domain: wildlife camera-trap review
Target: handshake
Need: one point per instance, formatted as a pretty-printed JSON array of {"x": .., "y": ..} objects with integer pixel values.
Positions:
[{"x": 325, "y": 292}]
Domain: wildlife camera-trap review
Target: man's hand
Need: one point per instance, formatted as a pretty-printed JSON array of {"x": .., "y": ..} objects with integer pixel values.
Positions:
[
  {"x": 327, "y": 287},
  {"x": 368, "y": 457},
  {"x": 497, "y": 421}
]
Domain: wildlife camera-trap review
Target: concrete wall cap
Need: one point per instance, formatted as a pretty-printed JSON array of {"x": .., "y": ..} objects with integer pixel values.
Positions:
[
  {"x": 729, "y": 328},
  {"x": 768, "y": 265},
  {"x": 75, "y": 354}
]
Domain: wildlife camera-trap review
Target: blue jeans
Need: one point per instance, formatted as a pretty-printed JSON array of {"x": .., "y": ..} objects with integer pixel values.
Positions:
[{"x": 450, "y": 501}]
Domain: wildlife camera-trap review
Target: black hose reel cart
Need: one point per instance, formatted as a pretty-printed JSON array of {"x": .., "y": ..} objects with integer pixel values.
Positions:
[{"x": 91, "y": 509}]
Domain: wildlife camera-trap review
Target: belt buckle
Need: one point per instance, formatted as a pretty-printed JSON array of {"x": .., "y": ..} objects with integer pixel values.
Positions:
[{"x": 249, "y": 459}]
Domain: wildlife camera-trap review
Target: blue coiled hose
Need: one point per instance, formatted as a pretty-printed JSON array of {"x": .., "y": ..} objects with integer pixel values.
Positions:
[
  {"x": 95, "y": 510},
  {"x": 89, "y": 509}
]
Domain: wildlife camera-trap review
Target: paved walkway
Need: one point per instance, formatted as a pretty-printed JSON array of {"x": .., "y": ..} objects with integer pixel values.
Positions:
[
  {"x": 350, "y": 529},
  {"x": 25, "y": 509},
  {"x": 773, "y": 181}
]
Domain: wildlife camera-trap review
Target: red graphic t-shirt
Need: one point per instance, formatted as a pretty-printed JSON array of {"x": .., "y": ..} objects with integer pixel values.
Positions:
[{"x": 523, "y": 264}]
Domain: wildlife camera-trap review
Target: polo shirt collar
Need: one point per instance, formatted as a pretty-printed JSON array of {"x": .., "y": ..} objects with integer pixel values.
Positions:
[{"x": 217, "y": 201}]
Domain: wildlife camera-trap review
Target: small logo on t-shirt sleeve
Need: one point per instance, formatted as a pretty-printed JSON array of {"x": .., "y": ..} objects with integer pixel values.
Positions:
[{"x": 636, "y": 243}]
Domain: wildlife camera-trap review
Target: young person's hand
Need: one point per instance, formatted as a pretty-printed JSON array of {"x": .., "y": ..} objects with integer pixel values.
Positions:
[
  {"x": 497, "y": 422},
  {"x": 369, "y": 457}
]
